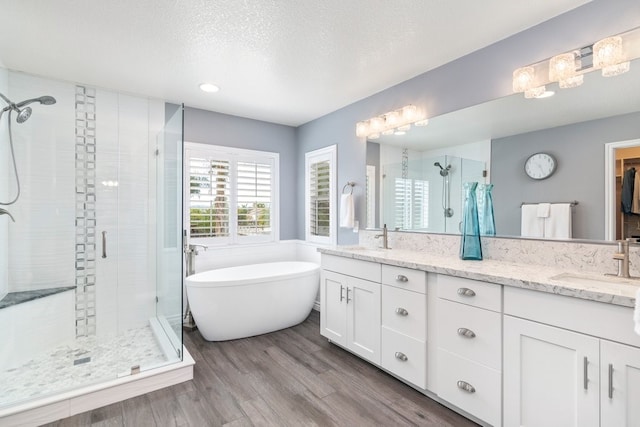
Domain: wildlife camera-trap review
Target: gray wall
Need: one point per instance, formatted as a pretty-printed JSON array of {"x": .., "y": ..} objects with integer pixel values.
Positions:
[
  {"x": 207, "y": 127},
  {"x": 478, "y": 77},
  {"x": 579, "y": 150}
]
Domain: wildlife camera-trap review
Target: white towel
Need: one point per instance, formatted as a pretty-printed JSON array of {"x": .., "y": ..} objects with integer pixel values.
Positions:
[
  {"x": 347, "y": 211},
  {"x": 636, "y": 313},
  {"x": 531, "y": 225},
  {"x": 558, "y": 225},
  {"x": 544, "y": 209}
]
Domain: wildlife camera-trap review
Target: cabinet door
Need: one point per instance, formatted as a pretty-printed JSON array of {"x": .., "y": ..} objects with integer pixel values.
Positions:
[
  {"x": 333, "y": 307},
  {"x": 551, "y": 376},
  {"x": 363, "y": 324},
  {"x": 620, "y": 385}
]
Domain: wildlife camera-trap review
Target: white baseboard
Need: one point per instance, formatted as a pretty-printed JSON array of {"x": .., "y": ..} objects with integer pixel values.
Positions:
[{"x": 63, "y": 405}]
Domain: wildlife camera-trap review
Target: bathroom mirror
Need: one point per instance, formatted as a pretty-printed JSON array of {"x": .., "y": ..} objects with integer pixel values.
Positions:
[{"x": 573, "y": 125}]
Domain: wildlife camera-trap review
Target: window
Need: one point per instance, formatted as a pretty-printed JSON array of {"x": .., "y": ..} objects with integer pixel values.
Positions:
[
  {"x": 411, "y": 203},
  {"x": 231, "y": 194},
  {"x": 320, "y": 195}
]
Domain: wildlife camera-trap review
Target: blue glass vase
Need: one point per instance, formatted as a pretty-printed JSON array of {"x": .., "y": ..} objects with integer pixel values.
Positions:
[
  {"x": 485, "y": 210},
  {"x": 470, "y": 245}
]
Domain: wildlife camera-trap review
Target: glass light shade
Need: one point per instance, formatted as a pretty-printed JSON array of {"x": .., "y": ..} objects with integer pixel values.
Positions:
[
  {"x": 362, "y": 129},
  {"x": 534, "y": 92},
  {"x": 523, "y": 79},
  {"x": 404, "y": 128},
  {"x": 374, "y": 136},
  {"x": 399, "y": 132},
  {"x": 409, "y": 113},
  {"x": 376, "y": 124},
  {"x": 422, "y": 122},
  {"x": 392, "y": 119},
  {"x": 563, "y": 69},
  {"x": 609, "y": 55}
]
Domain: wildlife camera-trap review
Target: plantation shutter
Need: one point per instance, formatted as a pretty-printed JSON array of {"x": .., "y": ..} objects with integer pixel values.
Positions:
[
  {"x": 254, "y": 201},
  {"x": 320, "y": 198},
  {"x": 209, "y": 189}
]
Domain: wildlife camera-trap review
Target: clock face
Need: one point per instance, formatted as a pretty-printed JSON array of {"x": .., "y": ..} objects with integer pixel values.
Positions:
[{"x": 540, "y": 165}]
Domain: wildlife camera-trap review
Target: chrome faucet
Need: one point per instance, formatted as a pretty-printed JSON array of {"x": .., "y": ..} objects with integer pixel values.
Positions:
[
  {"x": 385, "y": 237},
  {"x": 622, "y": 256},
  {"x": 6, "y": 212}
]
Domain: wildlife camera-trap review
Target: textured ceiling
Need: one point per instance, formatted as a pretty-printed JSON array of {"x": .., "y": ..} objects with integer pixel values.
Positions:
[{"x": 283, "y": 61}]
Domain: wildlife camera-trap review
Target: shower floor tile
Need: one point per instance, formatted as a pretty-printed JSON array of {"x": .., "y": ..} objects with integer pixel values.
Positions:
[{"x": 85, "y": 361}]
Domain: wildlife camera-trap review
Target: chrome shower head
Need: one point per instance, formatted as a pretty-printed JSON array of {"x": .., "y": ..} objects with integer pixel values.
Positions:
[
  {"x": 44, "y": 100},
  {"x": 443, "y": 171},
  {"x": 23, "y": 115}
]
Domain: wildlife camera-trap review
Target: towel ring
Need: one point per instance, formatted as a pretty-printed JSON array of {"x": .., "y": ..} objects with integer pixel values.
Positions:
[{"x": 349, "y": 184}]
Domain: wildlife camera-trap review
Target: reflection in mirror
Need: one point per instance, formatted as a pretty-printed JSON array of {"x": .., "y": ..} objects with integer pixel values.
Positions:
[{"x": 573, "y": 125}]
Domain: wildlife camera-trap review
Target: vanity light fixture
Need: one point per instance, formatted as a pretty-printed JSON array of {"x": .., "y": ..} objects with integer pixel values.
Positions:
[
  {"x": 396, "y": 122},
  {"x": 563, "y": 69},
  {"x": 209, "y": 87},
  {"x": 609, "y": 56},
  {"x": 612, "y": 55}
]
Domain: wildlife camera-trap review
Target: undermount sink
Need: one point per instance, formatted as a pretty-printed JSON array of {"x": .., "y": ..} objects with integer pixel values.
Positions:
[{"x": 590, "y": 280}]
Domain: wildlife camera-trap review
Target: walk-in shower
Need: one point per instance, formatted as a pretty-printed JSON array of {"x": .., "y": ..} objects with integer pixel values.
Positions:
[
  {"x": 424, "y": 192},
  {"x": 91, "y": 269}
]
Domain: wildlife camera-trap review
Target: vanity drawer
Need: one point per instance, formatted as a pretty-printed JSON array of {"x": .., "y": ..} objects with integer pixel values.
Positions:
[
  {"x": 472, "y": 292},
  {"x": 405, "y": 356},
  {"x": 471, "y": 332},
  {"x": 352, "y": 267},
  {"x": 405, "y": 312},
  {"x": 483, "y": 400},
  {"x": 404, "y": 278}
]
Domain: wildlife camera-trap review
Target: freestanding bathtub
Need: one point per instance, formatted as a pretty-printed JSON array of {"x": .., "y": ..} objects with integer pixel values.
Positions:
[{"x": 248, "y": 300}]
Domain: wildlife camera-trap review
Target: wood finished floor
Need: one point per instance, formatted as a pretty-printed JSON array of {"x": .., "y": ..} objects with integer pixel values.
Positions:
[{"x": 292, "y": 377}]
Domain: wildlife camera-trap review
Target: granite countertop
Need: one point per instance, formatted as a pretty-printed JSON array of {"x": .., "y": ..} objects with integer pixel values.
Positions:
[{"x": 589, "y": 286}]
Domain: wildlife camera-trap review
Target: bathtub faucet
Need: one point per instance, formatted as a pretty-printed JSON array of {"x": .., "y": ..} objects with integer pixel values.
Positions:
[{"x": 190, "y": 253}]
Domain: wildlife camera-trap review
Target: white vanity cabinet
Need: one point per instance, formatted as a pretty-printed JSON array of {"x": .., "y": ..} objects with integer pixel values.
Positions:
[
  {"x": 404, "y": 323},
  {"x": 469, "y": 328},
  {"x": 562, "y": 366},
  {"x": 551, "y": 376},
  {"x": 350, "y": 305}
]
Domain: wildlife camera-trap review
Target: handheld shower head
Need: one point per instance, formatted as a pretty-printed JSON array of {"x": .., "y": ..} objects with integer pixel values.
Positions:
[
  {"x": 44, "y": 100},
  {"x": 443, "y": 171}
]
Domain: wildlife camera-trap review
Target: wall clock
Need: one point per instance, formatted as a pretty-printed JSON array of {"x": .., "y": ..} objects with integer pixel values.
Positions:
[{"x": 540, "y": 165}]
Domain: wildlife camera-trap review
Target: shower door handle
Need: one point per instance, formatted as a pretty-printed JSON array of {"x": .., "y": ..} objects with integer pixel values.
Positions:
[{"x": 104, "y": 244}]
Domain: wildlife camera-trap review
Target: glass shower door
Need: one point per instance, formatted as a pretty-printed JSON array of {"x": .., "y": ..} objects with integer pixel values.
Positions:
[{"x": 169, "y": 305}]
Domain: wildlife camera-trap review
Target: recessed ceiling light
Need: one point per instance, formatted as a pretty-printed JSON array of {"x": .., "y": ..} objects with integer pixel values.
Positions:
[{"x": 209, "y": 87}]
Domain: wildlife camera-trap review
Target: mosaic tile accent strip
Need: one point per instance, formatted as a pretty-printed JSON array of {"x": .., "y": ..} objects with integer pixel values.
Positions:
[
  {"x": 66, "y": 367},
  {"x": 85, "y": 211}
]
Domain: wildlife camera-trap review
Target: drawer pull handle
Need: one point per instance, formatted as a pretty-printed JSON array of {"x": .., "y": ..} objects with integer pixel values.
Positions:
[
  {"x": 467, "y": 333},
  {"x": 401, "y": 278},
  {"x": 401, "y": 356},
  {"x": 465, "y": 386},
  {"x": 466, "y": 292},
  {"x": 401, "y": 311},
  {"x": 341, "y": 293},
  {"x": 348, "y": 299}
]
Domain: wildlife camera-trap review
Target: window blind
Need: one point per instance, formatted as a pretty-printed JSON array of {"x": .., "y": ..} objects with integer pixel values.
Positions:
[
  {"x": 320, "y": 198},
  {"x": 209, "y": 189},
  {"x": 253, "y": 204}
]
